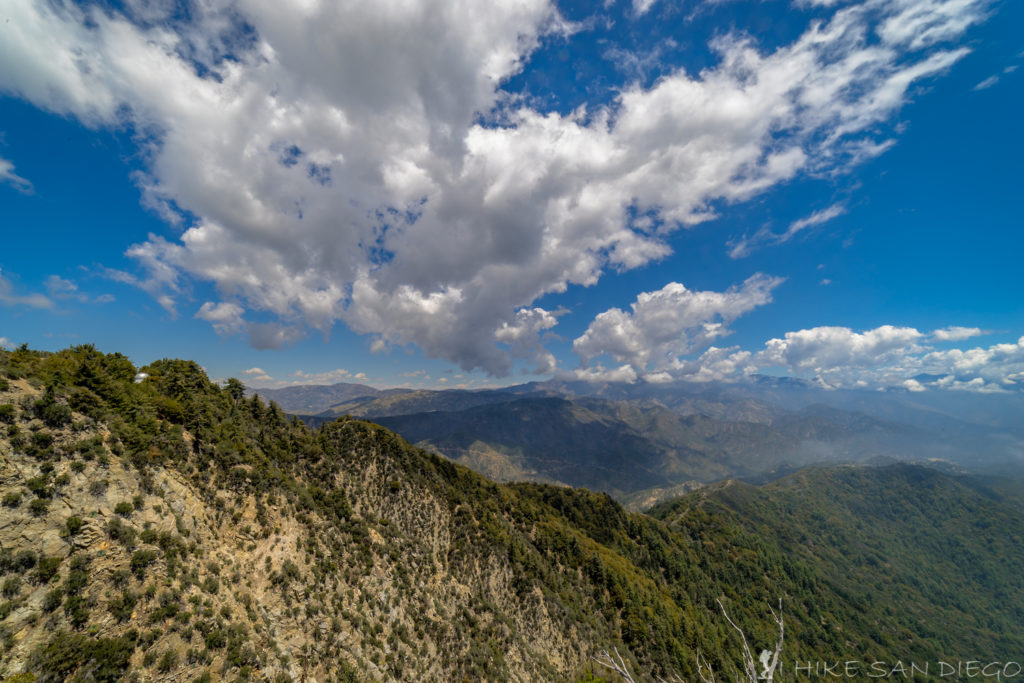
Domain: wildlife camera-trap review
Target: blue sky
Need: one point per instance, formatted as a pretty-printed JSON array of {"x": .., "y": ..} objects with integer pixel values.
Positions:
[{"x": 438, "y": 195}]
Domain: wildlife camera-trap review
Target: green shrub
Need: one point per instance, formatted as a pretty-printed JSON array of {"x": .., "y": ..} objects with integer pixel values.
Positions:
[
  {"x": 54, "y": 414},
  {"x": 168, "y": 661},
  {"x": 4, "y": 384},
  {"x": 77, "y": 609},
  {"x": 53, "y": 599},
  {"x": 98, "y": 487},
  {"x": 11, "y": 586},
  {"x": 8, "y": 413},
  {"x": 90, "y": 448},
  {"x": 23, "y": 561},
  {"x": 39, "y": 506},
  {"x": 141, "y": 559},
  {"x": 47, "y": 569},
  {"x": 215, "y": 639},
  {"x": 119, "y": 531},
  {"x": 74, "y": 524},
  {"x": 86, "y": 402},
  {"x": 105, "y": 659},
  {"x": 168, "y": 609},
  {"x": 122, "y": 607},
  {"x": 78, "y": 575},
  {"x": 37, "y": 485},
  {"x": 149, "y": 637},
  {"x": 12, "y": 499},
  {"x": 124, "y": 508}
]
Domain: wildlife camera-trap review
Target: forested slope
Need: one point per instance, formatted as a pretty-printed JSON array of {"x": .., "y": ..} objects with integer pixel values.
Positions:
[{"x": 173, "y": 527}]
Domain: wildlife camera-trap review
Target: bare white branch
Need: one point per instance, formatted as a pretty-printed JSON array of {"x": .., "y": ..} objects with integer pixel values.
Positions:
[
  {"x": 616, "y": 664},
  {"x": 704, "y": 669},
  {"x": 769, "y": 660},
  {"x": 748, "y": 658},
  {"x": 769, "y": 672}
]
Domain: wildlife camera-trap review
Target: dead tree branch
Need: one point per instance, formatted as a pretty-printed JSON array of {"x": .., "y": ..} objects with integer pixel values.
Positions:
[{"x": 616, "y": 664}]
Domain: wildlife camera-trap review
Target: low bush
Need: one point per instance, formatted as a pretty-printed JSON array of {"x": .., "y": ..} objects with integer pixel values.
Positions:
[
  {"x": 100, "y": 659},
  {"x": 39, "y": 506},
  {"x": 47, "y": 569},
  {"x": 74, "y": 524},
  {"x": 11, "y": 586},
  {"x": 141, "y": 559}
]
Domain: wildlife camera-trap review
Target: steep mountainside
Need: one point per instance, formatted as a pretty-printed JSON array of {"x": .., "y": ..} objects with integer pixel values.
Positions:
[
  {"x": 175, "y": 529},
  {"x": 899, "y": 539}
]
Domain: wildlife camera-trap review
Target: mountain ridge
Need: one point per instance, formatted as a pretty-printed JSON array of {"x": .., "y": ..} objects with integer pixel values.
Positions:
[{"x": 174, "y": 527}]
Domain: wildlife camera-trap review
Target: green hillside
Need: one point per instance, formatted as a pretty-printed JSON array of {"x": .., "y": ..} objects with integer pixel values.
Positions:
[
  {"x": 173, "y": 528},
  {"x": 937, "y": 553}
]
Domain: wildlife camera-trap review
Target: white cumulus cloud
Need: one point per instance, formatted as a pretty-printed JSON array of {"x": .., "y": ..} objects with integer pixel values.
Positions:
[
  {"x": 957, "y": 333},
  {"x": 669, "y": 323},
  {"x": 358, "y": 162},
  {"x": 891, "y": 356},
  {"x": 226, "y": 318}
]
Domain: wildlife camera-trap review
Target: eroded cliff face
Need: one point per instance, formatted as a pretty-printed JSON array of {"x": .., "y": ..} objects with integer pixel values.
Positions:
[{"x": 379, "y": 566}]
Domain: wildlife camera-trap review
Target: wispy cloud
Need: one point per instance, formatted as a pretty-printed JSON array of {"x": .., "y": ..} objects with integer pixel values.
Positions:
[
  {"x": 765, "y": 237},
  {"x": 987, "y": 83},
  {"x": 7, "y": 175},
  {"x": 63, "y": 289},
  {"x": 641, "y": 7},
  {"x": 995, "y": 78},
  {"x": 8, "y": 296}
]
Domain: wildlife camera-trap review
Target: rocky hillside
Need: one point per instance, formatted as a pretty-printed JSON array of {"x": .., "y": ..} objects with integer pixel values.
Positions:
[
  {"x": 197, "y": 532},
  {"x": 170, "y": 529}
]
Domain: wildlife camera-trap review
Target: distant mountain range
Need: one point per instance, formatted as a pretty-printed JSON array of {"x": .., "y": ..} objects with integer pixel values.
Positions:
[{"x": 647, "y": 442}]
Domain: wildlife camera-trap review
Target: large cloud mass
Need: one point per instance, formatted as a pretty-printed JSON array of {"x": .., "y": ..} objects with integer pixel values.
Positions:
[
  {"x": 889, "y": 356},
  {"x": 670, "y": 323},
  {"x": 358, "y": 161}
]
